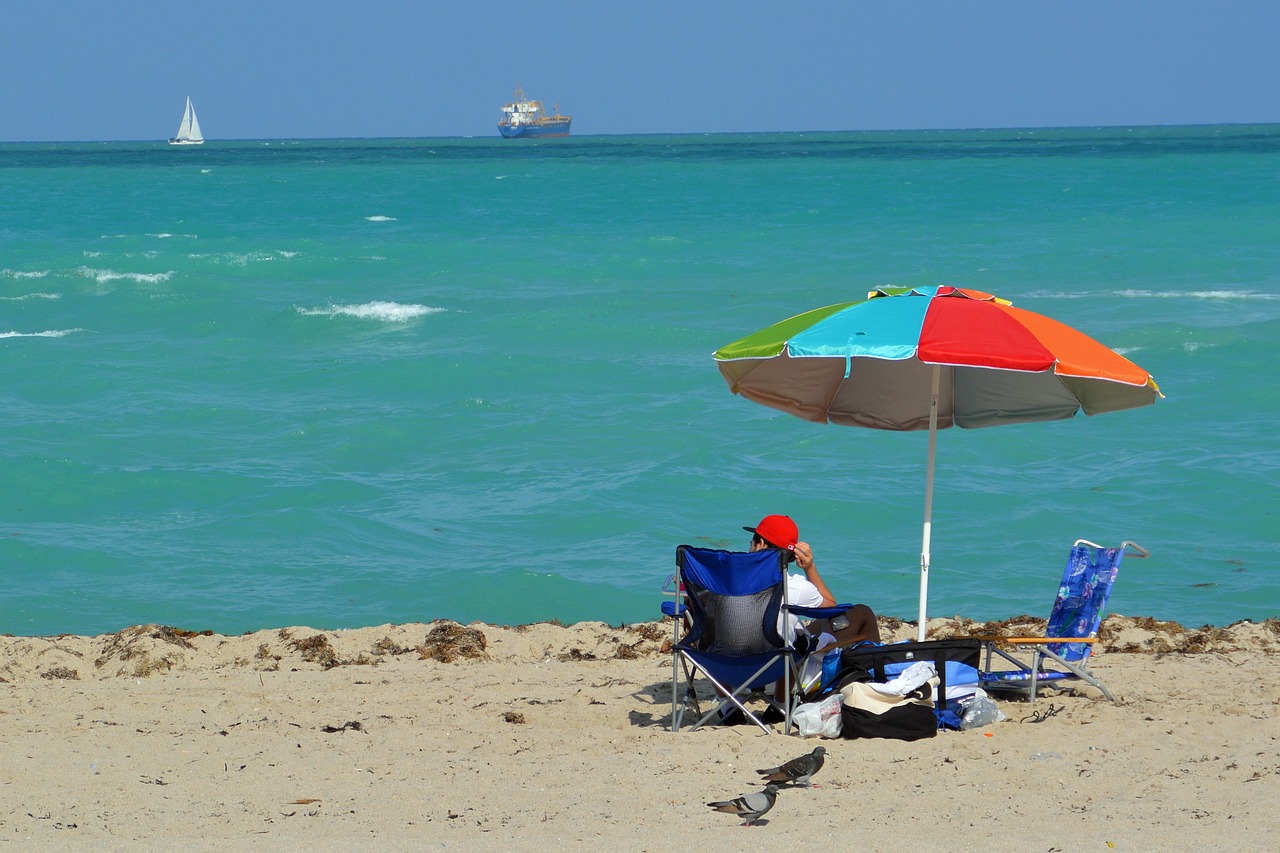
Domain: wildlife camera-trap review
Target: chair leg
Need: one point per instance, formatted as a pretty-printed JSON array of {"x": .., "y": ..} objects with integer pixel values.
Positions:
[
  {"x": 1035, "y": 673},
  {"x": 730, "y": 700},
  {"x": 675, "y": 667},
  {"x": 1081, "y": 673},
  {"x": 681, "y": 700},
  {"x": 675, "y": 689}
]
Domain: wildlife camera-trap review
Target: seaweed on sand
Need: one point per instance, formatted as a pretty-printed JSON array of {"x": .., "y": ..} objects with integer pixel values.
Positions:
[
  {"x": 388, "y": 646},
  {"x": 316, "y": 649},
  {"x": 132, "y": 644},
  {"x": 449, "y": 641},
  {"x": 651, "y": 631}
]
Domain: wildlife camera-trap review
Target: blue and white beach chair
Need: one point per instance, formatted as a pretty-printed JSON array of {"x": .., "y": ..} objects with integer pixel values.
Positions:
[
  {"x": 732, "y": 601},
  {"x": 1062, "y": 653}
]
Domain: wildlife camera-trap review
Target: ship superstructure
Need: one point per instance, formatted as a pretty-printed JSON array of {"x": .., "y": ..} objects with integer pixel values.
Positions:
[{"x": 525, "y": 118}]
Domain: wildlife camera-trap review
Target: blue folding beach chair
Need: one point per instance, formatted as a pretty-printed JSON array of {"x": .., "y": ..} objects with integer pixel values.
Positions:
[
  {"x": 728, "y": 602},
  {"x": 1062, "y": 653}
]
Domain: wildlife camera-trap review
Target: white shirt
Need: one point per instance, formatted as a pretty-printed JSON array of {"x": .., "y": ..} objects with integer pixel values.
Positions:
[{"x": 800, "y": 593}]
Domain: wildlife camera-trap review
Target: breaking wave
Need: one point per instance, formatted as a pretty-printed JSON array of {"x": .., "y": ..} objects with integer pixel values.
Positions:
[
  {"x": 1143, "y": 293},
  {"x": 51, "y": 333},
  {"x": 104, "y": 276},
  {"x": 1197, "y": 294},
  {"x": 390, "y": 312},
  {"x": 27, "y": 296}
]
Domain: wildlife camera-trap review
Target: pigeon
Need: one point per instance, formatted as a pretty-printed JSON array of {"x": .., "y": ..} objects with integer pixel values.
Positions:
[
  {"x": 749, "y": 807},
  {"x": 797, "y": 771}
]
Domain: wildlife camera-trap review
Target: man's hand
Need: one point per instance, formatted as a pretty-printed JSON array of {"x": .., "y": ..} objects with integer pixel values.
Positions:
[{"x": 804, "y": 556}]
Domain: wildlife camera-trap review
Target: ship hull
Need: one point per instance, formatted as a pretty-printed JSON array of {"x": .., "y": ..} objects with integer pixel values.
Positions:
[{"x": 541, "y": 130}]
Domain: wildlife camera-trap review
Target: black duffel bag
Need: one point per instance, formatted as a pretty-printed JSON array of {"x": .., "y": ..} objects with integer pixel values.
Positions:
[{"x": 869, "y": 713}]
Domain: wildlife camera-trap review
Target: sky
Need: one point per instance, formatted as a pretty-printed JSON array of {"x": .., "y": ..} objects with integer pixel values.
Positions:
[{"x": 87, "y": 70}]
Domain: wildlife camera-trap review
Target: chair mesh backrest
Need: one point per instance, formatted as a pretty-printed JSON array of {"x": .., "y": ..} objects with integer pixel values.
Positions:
[
  {"x": 1082, "y": 596},
  {"x": 734, "y": 599}
]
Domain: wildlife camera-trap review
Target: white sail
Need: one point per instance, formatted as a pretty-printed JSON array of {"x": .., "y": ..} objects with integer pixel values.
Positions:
[
  {"x": 189, "y": 129},
  {"x": 193, "y": 132}
]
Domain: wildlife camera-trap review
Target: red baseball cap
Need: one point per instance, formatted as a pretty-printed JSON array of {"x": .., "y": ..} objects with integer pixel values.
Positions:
[{"x": 778, "y": 530}]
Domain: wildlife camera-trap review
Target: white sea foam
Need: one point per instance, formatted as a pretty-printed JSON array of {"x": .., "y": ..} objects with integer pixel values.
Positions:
[
  {"x": 51, "y": 333},
  {"x": 1197, "y": 294},
  {"x": 27, "y": 296},
  {"x": 160, "y": 235},
  {"x": 390, "y": 312},
  {"x": 1138, "y": 293},
  {"x": 242, "y": 259},
  {"x": 104, "y": 276},
  {"x": 380, "y": 219},
  {"x": 8, "y": 273}
]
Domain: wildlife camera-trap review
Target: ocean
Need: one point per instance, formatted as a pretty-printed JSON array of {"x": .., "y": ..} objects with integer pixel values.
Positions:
[{"x": 343, "y": 383}]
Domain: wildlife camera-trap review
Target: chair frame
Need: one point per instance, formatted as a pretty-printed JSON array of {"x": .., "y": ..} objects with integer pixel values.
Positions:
[
  {"x": 1026, "y": 678},
  {"x": 782, "y": 659}
]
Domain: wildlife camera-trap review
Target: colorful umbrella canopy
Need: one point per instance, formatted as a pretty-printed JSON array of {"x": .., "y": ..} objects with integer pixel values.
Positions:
[{"x": 930, "y": 358}]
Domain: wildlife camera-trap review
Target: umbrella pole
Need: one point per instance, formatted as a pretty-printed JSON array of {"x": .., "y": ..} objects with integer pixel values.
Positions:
[{"x": 928, "y": 503}]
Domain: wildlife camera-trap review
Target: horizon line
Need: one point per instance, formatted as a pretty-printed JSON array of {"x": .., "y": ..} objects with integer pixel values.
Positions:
[{"x": 497, "y": 137}]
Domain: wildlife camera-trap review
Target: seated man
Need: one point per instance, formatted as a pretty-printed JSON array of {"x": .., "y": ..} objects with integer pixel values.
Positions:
[
  {"x": 809, "y": 590},
  {"x": 806, "y": 590}
]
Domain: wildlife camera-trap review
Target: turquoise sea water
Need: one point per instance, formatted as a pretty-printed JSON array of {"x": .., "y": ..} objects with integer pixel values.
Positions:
[{"x": 341, "y": 383}]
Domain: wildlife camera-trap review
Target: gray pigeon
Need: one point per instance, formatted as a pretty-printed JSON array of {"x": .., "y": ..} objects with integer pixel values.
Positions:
[
  {"x": 797, "y": 771},
  {"x": 749, "y": 807}
]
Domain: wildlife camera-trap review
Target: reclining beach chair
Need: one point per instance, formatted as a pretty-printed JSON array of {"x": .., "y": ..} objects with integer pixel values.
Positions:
[
  {"x": 732, "y": 601},
  {"x": 1062, "y": 653}
]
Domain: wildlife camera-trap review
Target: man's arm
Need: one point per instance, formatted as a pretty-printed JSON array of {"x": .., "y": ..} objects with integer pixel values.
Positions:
[{"x": 804, "y": 559}]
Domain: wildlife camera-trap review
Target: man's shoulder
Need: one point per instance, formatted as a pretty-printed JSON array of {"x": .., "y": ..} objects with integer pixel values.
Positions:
[{"x": 801, "y": 591}]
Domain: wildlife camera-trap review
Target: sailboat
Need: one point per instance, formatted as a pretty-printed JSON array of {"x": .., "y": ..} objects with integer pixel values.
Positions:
[{"x": 189, "y": 130}]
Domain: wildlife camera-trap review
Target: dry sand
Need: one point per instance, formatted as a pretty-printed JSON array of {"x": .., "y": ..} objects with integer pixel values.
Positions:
[{"x": 440, "y": 737}]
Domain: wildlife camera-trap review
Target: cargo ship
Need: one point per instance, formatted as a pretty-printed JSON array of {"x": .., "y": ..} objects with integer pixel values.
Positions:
[{"x": 526, "y": 119}]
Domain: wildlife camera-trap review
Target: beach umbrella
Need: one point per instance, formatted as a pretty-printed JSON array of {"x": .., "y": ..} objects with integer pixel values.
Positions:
[{"x": 930, "y": 358}]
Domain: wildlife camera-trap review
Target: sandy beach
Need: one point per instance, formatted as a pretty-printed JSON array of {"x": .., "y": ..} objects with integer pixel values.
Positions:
[{"x": 441, "y": 736}]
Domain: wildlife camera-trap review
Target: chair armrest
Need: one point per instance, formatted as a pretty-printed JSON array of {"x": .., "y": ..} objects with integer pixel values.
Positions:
[
  {"x": 1044, "y": 641},
  {"x": 820, "y": 612},
  {"x": 1032, "y": 641}
]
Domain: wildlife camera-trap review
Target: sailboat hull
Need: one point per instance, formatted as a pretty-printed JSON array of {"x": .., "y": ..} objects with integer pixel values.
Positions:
[{"x": 186, "y": 141}]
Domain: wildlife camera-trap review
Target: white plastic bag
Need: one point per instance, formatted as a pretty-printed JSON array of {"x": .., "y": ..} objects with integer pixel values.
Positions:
[
  {"x": 979, "y": 711},
  {"x": 820, "y": 718}
]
